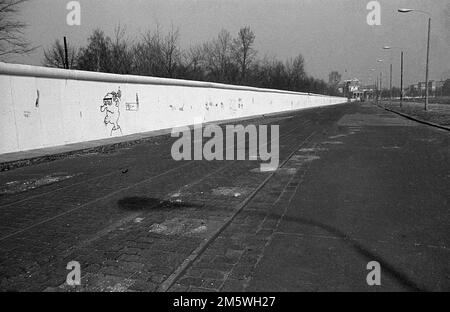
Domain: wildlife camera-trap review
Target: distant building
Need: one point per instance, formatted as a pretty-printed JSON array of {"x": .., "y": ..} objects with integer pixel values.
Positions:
[
  {"x": 369, "y": 92},
  {"x": 439, "y": 88},
  {"x": 434, "y": 88},
  {"x": 413, "y": 90},
  {"x": 353, "y": 90},
  {"x": 422, "y": 88}
]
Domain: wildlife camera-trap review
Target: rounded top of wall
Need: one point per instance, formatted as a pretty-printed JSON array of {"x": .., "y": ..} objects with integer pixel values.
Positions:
[{"x": 57, "y": 73}]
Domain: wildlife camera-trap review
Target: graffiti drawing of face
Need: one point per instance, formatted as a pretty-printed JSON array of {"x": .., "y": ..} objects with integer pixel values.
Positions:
[{"x": 111, "y": 107}]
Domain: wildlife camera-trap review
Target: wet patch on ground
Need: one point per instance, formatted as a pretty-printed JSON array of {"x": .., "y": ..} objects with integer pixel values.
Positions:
[
  {"x": 312, "y": 150},
  {"x": 231, "y": 191},
  {"x": 390, "y": 147},
  {"x": 182, "y": 226},
  {"x": 304, "y": 158},
  {"x": 287, "y": 171},
  {"x": 337, "y": 136},
  {"x": 333, "y": 142},
  {"x": 15, "y": 187},
  {"x": 137, "y": 203},
  {"x": 97, "y": 283}
]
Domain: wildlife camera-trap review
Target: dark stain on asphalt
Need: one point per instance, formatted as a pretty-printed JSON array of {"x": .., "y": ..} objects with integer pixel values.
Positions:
[{"x": 148, "y": 203}]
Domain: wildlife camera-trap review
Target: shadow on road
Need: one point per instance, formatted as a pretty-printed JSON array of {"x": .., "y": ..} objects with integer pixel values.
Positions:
[{"x": 393, "y": 272}]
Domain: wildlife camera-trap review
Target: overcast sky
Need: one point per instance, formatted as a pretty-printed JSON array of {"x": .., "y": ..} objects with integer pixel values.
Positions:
[{"x": 330, "y": 34}]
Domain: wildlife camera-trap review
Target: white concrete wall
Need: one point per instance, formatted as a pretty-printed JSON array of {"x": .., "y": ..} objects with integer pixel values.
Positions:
[{"x": 68, "y": 109}]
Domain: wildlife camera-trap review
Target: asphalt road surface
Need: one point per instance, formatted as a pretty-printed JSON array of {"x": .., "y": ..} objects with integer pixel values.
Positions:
[{"x": 357, "y": 184}]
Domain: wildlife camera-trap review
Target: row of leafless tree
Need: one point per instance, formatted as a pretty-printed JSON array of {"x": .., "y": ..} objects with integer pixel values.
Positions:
[
  {"x": 12, "y": 40},
  {"x": 225, "y": 59}
]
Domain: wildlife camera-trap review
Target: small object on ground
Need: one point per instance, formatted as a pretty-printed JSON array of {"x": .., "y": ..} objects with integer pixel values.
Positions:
[
  {"x": 125, "y": 171},
  {"x": 200, "y": 229}
]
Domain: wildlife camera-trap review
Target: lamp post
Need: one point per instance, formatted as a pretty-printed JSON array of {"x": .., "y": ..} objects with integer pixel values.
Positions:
[
  {"x": 375, "y": 93},
  {"x": 381, "y": 80},
  {"x": 428, "y": 48},
  {"x": 401, "y": 72}
]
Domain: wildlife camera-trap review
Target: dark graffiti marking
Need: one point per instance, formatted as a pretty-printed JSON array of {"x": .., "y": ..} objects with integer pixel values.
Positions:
[
  {"x": 134, "y": 107},
  {"x": 36, "y": 104},
  {"x": 181, "y": 108},
  {"x": 111, "y": 107}
]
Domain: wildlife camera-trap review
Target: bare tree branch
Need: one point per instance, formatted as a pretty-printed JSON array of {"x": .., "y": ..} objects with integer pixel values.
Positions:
[
  {"x": 55, "y": 56},
  {"x": 12, "y": 40}
]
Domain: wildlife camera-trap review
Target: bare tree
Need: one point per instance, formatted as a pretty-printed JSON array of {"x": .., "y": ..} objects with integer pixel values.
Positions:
[
  {"x": 55, "y": 56},
  {"x": 334, "y": 78},
  {"x": 148, "y": 55},
  {"x": 121, "y": 55},
  {"x": 12, "y": 40},
  {"x": 194, "y": 63},
  {"x": 96, "y": 56},
  {"x": 295, "y": 70},
  {"x": 171, "y": 51},
  {"x": 243, "y": 50},
  {"x": 218, "y": 55}
]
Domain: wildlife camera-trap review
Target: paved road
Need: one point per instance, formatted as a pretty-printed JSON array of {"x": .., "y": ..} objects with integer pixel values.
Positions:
[{"x": 357, "y": 184}]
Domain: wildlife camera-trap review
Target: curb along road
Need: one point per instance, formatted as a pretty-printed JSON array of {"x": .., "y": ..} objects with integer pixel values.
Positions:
[{"x": 414, "y": 119}]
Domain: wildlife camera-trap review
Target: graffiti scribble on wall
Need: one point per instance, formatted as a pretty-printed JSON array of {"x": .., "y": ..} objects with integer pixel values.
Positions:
[
  {"x": 240, "y": 104},
  {"x": 174, "y": 108},
  {"x": 36, "y": 103},
  {"x": 111, "y": 107},
  {"x": 134, "y": 107}
]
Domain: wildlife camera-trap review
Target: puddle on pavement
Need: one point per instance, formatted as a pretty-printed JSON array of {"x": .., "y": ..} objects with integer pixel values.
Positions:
[
  {"x": 337, "y": 136},
  {"x": 148, "y": 203},
  {"x": 266, "y": 168},
  {"x": 231, "y": 191},
  {"x": 175, "y": 195},
  {"x": 100, "y": 283},
  {"x": 312, "y": 150},
  {"x": 14, "y": 187},
  {"x": 287, "y": 171},
  {"x": 390, "y": 147},
  {"x": 333, "y": 142},
  {"x": 180, "y": 226},
  {"x": 304, "y": 158},
  {"x": 257, "y": 170},
  {"x": 427, "y": 140}
]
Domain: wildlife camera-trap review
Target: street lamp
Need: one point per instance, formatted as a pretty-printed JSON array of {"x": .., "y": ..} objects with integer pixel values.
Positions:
[
  {"x": 401, "y": 73},
  {"x": 428, "y": 48},
  {"x": 381, "y": 80},
  {"x": 374, "y": 90}
]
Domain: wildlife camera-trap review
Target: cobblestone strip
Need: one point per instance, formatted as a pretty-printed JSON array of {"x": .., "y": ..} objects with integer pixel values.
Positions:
[
  {"x": 105, "y": 255},
  {"x": 120, "y": 252},
  {"x": 153, "y": 258},
  {"x": 94, "y": 201},
  {"x": 226, "y": 260}
]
